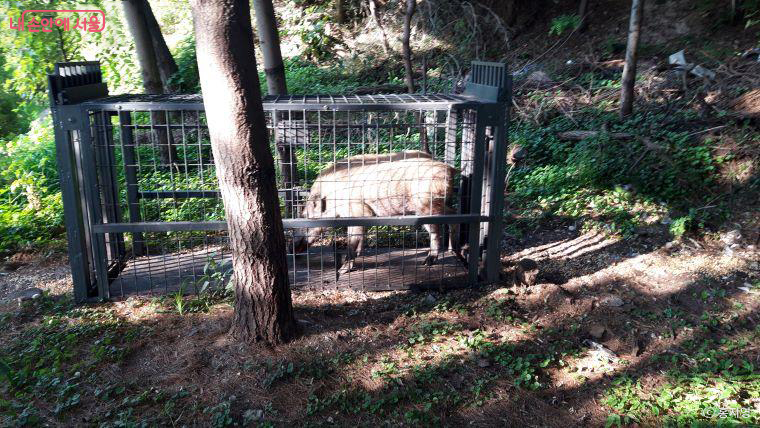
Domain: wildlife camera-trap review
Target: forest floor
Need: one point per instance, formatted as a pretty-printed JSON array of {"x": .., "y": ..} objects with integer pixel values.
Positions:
[{"x": 622, "y": 331}]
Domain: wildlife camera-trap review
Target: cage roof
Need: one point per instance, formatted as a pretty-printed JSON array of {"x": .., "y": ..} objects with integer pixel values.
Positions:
[{"x": 289, "y": 102}]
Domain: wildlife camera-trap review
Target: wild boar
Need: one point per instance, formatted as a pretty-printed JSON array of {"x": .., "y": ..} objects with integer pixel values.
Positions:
[{"x": 403, "y": 183}]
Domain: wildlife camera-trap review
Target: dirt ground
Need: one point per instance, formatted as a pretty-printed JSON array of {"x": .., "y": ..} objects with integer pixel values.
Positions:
[{"x": 593, "y": 309}]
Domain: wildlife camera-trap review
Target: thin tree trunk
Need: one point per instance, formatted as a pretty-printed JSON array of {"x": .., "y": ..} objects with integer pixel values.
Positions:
[
  {"x": 583, "y": 15},
  {"x": 373, "y": 10},
  {"x": 146, "y": 56},
  {"x": 274, "y": 69},
  {"x": 167, "y": 67},
  {"x": 269, "y": 42},
  {"x": 411, "y": 7},
  {"x": 629, "y": 71},
  {"x": 245, "y": 170},
  {"x": 340, "y": 12}
]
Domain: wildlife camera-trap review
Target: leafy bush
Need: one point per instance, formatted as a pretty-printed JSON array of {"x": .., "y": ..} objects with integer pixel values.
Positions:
[
  {"x": 564, "y": 23},
  {"x": 31, "y": 211},
  {"x": 616, "y": 183}
]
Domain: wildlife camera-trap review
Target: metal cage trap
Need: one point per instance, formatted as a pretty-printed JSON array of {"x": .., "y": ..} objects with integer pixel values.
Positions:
[{"x": 368, "y": 184}]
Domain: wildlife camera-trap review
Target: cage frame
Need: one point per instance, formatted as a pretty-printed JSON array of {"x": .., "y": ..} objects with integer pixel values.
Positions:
[{"x": 96, "y": 225}]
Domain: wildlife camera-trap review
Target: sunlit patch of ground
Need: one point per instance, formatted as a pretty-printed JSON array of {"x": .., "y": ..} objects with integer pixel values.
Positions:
[{"x": 604, "y": 331}]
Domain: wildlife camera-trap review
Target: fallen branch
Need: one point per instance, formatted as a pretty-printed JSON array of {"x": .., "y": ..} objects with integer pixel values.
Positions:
[{"x": 582, "y": 135}]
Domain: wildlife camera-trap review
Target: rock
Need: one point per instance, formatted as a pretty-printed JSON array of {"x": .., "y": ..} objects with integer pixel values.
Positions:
[
  {"x": 429, "y": 299},
  {"x": 731, "y": 237},
  {"x": 539, "y": 79},
  {"x": 253, "y": 415},
  {"x": 670, "y": 245},
  {"x": 751, "y": 248},
  {"x": 728, "y": 252},
  {"x": 11, "y": 266},
  {"x": 571, "y": 228},
  {"x": 597, "y": 331},
  {"x": 612, "y": 301},
  {"x": 483, "y": 363}
]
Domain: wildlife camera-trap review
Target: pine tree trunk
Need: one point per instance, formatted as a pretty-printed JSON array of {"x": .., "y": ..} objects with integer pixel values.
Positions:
[
  {"x": 167, "y": 67},
  {"x": 411, "y": 7},
  {"x": 146, "y": 56},
  {"x": 631, "y": 53},
  {"x": 245, "y": 170}
]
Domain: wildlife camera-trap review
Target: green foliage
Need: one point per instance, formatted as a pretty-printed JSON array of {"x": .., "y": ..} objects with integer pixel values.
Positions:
[
  {"x": 613, "y": 183},
  {"x": 211, "y": 288},
  {"x": 31, "y": 211},
  {"x": 674, "y": 400},
  {"x": 54, "y": 359},
  {"x": 302, "y": 76},
  {"x": 564, "y": 23}
]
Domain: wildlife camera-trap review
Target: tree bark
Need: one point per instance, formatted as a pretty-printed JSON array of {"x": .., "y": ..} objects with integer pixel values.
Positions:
[
  {"x": 411, "y": 7},
  {"x": 269, "y": 42},
  {"x": 164, "y": 59},
  {"x": 340, "y": 12},
  {"x": 373, "y": 10},
  {"x": 146, "y": 56},
  {"x": 245, "y": 170},
  {"x": 274, "y": 69},
  {"x": 631, "y": 53}
]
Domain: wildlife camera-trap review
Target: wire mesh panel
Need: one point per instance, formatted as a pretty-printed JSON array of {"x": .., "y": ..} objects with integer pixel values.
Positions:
[{"x": 377, "y": 192}]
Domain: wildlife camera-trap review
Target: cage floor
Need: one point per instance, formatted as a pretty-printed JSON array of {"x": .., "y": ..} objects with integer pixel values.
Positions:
[{"x": 377, "y": 269}]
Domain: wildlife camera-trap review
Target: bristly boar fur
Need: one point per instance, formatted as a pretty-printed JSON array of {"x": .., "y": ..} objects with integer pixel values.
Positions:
[{"x": 402, "y": 183}]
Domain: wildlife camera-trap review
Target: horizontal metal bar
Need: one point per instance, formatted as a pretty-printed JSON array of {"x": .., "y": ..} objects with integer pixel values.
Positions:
[
  {"x": 293, "y": 223},
  {"x": 187, "y": 194},
  {"x": 411, "y": 220},
  {"x": 158, "y": 226},
  {"x": 179, "y": 194},
  {"x": 106, "y": 104}
]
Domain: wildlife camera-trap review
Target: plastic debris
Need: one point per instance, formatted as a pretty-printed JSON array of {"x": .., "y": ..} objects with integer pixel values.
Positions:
[{"x": 679, "y": 60}]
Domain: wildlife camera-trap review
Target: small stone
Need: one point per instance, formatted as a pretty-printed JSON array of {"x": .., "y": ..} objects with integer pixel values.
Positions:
[
  {"x": 483, "y": 363},
  {"x": 613, "y": 301},
  {"x": 253, "y": 414},
  {"x": 429, "y": 299},
  {"x": 728, "y": 252},
  {"x": 731, "y": 237},
  {"x": 571, "y": 228},
  {"x": 597, "y": 331},
  {"x": 751, "y": 247},
  {"x": 670, "y": 245}
]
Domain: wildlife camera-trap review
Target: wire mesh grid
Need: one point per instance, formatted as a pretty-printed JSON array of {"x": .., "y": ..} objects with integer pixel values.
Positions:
[{"x": 156, "y": 167}]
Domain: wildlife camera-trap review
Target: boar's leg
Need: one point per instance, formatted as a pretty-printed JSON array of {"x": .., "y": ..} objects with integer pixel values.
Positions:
[
  {"x": 355, "y": 245},
  {"x": 435, "y": 243},
  {"x": 454, "y": 243}
]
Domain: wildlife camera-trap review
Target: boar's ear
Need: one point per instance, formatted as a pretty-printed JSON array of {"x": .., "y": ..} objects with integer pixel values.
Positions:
[{"x": 324, "y": 204}]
